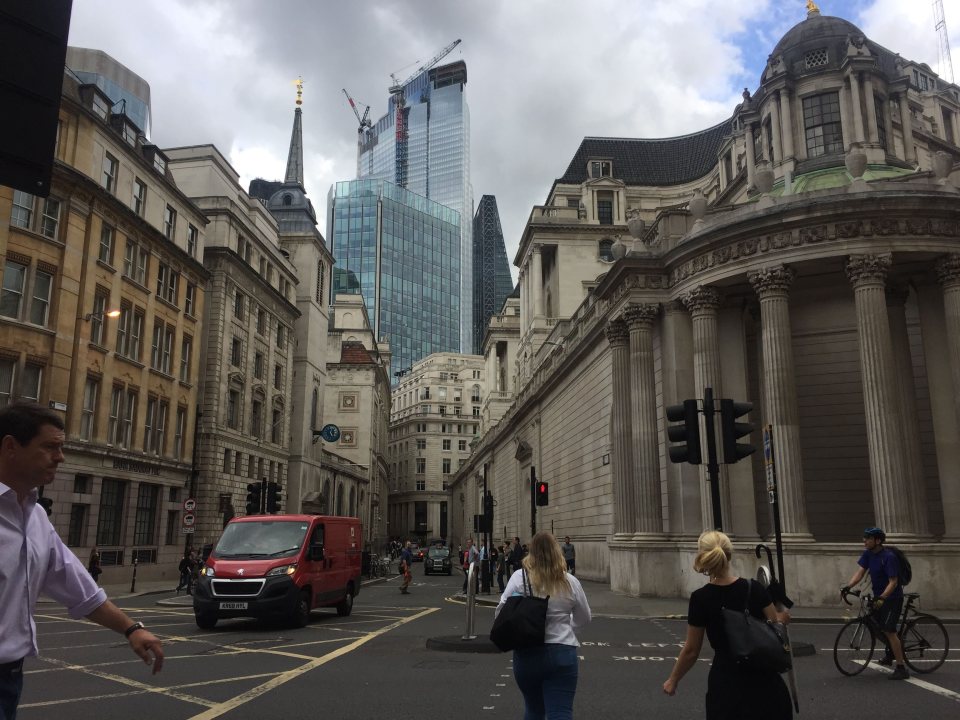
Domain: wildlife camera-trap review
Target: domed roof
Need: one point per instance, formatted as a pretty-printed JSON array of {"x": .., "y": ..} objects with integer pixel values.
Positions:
[{"x": 815, "y": 31}]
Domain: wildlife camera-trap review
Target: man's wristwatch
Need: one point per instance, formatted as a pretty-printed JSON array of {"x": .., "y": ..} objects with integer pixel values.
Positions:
[{"x": 133, "y": 628}]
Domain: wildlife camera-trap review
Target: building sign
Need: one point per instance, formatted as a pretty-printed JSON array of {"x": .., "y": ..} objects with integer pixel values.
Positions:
[{"x": 135, "y": 466}]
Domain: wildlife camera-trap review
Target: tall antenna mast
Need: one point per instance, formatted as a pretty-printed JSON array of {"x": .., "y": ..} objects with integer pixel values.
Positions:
[{"x": 946, "y": 61}]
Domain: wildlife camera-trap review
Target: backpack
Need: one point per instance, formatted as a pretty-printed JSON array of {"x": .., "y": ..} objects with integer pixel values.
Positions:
[{"x": 905, "y": 574}]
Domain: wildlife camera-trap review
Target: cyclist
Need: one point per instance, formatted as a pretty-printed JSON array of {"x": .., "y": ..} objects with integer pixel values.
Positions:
[{"x": 887, "y": 595}]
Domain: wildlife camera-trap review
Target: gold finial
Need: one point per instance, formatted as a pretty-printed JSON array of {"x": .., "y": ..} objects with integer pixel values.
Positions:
[
  {"x": 812, "y": 7},
  {"x": 299, "y": 83}
]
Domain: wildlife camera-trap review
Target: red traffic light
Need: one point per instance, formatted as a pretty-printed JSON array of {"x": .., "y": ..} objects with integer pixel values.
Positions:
[{"x": 543, "y": 497}]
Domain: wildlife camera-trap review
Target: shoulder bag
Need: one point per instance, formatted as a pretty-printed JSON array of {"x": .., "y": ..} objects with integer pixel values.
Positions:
[
  {"x": 757, "y": 643},
  {"x": 522, "y": 620}
]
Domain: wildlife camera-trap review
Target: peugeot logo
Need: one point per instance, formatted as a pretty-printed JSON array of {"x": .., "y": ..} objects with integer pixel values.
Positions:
[{"x": 240, "y": 571}]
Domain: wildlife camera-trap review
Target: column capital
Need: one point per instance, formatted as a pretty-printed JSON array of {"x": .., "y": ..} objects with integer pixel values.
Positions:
[
  {"x": 617, "y": 332},
  {"x": 773, "y": 280},
  {"x": 536, "y": 247},
  {"x": 701, "y": 299},
  {"x": 641, "y": 315},
  {"x": 948, "y": 269},
  {"x": 865, "y": 270}
]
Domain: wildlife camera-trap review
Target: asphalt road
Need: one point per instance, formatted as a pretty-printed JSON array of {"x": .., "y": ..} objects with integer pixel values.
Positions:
[{"x": 375, "y": 664}]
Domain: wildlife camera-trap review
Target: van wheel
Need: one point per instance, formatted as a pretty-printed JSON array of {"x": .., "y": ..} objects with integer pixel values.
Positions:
[
  {"x": 206, "y": 621},
  {"x": 346, "y": 605},
  {"x": 301, "y": 611}
]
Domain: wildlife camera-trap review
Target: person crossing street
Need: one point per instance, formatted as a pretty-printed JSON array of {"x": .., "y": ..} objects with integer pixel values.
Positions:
[{"x": 406, "y": 561}]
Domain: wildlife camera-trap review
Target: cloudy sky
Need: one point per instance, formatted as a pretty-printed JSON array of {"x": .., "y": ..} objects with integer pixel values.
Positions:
[{"x": 541, "y": 75}]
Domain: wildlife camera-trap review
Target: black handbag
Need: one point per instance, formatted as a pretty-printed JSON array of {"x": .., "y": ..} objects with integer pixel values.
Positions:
[
  {"x": 521, "y": 622},
  {"x": 757, "y": 643}
]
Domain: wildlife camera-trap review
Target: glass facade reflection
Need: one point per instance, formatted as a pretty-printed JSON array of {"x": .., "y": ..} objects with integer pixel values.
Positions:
[
  {"x": 400, "y": 251},
  {"x": 437, "y": 159}
]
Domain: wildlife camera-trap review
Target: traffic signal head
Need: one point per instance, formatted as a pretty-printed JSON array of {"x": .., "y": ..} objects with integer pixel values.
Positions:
[
  {"x": 731, "y": 430},
  {"x": 543, "y": 493},
  {"x": 488, "y": 505},
  {"x": 254, "y": 498},
  {"x": 274, "y": 498},
  {"x": 688, "y": 434}
]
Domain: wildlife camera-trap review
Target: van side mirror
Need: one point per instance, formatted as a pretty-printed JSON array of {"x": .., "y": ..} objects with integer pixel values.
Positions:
[{"x": 316, "y": 552}]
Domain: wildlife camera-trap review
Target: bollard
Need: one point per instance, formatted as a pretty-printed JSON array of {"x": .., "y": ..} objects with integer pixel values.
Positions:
[
  {"x": 133, "y": 581},
  {"x": 471, "y": 602}
]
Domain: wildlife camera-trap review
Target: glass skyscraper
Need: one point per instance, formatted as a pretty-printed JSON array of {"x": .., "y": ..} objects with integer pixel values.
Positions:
[
  {"x": 400, "y": 251},
  {"x": 492, "y": 283},
  {"x": 436, "y": 164}
]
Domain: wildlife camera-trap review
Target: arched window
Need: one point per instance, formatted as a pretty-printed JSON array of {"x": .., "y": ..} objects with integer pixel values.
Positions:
[
  {"x": 287, "y": 199},
  {"x": 606, "y": 250},
  {"x": 320, "y": 281},
  {"x": 353, "y": 502},
  {"x": 339, "y": 509}
]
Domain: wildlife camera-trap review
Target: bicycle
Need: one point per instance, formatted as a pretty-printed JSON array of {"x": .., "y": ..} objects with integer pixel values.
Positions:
[
  {"x": 923, "y": 637},
  {"x": 376, "y": 569}
]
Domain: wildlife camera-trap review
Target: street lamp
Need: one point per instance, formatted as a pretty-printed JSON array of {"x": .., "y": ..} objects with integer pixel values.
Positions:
[{"x": 100, "y": 315}]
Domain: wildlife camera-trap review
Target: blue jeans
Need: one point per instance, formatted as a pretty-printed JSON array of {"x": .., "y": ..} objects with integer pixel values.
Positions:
[
  {"x": 11, "y": 685},
  {"x": 547, "y": 677}
]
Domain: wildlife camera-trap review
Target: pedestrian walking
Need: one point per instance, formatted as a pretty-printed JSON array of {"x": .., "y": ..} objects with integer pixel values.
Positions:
[
  {"x": 406, "y": 561},
  {"x": 547, "y": 674},
  {"x": 570, "y": 555},
  {"x": 470, "y": 555},
  {"x": 515, "y": 556},
  {"x": 31, "y": 448},
  {"x": 501, "y": 566},
  {"x": 734, "y": 691},
  {"x": 93, "y": 565},
  {"x": 184, "y": 569}
]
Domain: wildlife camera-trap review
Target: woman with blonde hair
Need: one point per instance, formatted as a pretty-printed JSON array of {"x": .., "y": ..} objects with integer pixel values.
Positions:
[
  {"x": 547, "y": 674},
  {"x": 734, "y": 691}
]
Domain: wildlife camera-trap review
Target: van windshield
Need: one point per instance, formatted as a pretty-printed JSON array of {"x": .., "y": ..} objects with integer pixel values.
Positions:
[{"x": 267, "y": 539}]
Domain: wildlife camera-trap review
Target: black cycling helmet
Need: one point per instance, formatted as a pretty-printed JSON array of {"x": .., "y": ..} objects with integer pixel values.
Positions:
[{"x": 875, "y": 532}]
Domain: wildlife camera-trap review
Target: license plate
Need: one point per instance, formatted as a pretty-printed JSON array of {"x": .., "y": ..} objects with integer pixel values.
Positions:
[{"x": 233, "y": 606}]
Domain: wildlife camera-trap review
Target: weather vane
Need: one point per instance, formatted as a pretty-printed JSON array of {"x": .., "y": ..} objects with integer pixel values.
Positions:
[{"x": 299, "y": 83}]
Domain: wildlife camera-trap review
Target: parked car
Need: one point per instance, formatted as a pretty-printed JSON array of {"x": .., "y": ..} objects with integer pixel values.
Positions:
[
  {"x": 280, "y": 566},
  {"x": 438, "y": 560}
]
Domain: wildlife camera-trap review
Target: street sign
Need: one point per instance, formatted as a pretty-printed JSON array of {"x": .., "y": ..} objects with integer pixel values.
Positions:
[
  {"x": 189, "y": 519},
  {"x": 189, "y": 505},
  {"x": 330, "y": 433},
  {"x": 187, "y": 530}
]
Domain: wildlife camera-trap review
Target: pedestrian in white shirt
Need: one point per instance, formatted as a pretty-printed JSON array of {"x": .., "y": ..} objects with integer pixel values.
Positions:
[
  {"x": 547, "y": 674},
  {"x": 33, "y": 558}
]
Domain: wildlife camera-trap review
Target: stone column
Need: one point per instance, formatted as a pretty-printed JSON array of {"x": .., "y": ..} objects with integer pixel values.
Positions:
[
  {"x": 521, "y": 281},
  {"x": 624, "y": 490},
  {"x": 786, "y": 123},
  {"x": 751, "y": 159},
  {"x": 855, "y": 105},
  {"x": 892, "y": 500},
  {"x": 777, "y": 152},
  {"x": 772, "y": 285},
  {"x": 646, "y": 442},
  {"x": 948, "y": 271},
  {"x": 703, "y": 303},
  {"x": 906, "y": 123},
  {"x": 907, "y": 397},
  {"x": 845, "y": 122},
  {"x": 536, "y": 273},
  {"x": 871, "y": 110}
]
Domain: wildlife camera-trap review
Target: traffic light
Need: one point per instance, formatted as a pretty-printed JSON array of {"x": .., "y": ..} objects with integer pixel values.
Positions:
[
  {"x": 488, "y": 505},
  {"x": 688, "y": 433},
  {"x": 274, "y": 498},
  {"x": 543, "y": 493},
  {"x": 731, "y": 430},
  {"x": 254, "y": 498}
]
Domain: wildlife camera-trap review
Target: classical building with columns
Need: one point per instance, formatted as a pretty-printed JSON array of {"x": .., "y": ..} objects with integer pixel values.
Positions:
[{"x": 802, "y": 255}]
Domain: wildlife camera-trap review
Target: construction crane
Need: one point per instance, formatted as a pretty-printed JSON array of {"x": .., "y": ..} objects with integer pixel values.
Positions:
[
  {"x": 364, "y": 120},
  {"x": 396, "y": 89},
  {"x": 946, "y": 62}
]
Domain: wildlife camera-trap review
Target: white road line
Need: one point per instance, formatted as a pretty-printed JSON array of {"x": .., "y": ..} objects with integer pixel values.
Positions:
[{"x": 914, "y": 680}]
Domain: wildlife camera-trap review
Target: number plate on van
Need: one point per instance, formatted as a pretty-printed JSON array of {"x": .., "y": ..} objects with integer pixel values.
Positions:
[{"x": 233, "y": 606}]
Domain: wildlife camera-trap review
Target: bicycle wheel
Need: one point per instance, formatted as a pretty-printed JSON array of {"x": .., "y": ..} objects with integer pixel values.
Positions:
[
  {"x": 925, "y": 643},
  {"x": 853, "y": 648}
]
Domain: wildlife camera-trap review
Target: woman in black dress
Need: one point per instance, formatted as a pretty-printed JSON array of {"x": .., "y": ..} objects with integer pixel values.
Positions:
[{"x": 734, "y": 691}]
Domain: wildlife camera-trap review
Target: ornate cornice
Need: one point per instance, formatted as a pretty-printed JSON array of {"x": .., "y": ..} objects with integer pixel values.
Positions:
[
  {"x": 701, "y": 299},
  {"x": 641, "y": 315},
  {"x": 948, "y": 269},
  {"x": 617, "y": 332},
  {"x": 868, "y": 269},
  {"x": 774, "y": 280}
]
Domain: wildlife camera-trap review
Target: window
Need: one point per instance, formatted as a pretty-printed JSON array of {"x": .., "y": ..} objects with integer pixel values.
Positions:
[
  {"x": 226, "y": 461},
  {"x": 600, "y": 168},
  {"x": 30, "y": 382},
  {"x": 100, "y": 106},
  {"x": 281, "y": 336},
  {"x": 139, "y": 197},
  {"x": 130, "y": 332},
  {"x": 815, "y": 58},
  {"x": 148, "y": 425},
  {"x": 947, "y": 126},
  {"x": 475, "y": 394},
  {"x": 179, "y": 431},
  {"x": 108, "y": 178},
  {"x": 78, "y": 525},
  {"x": 421, "y": 466},
  {"x": 421, "y": 484},
  {"x": 462, "y": 445},
  {"x": 421, "y": 444},
  {"x": 258, "y": 365},
  {"x": 50, "y": 221},
  {"x": 276, "y": 427},
  {"x": 22, "y": 209},
  {"x": 110, "y": 518},
  {"x": 11, "y": 296},
  {"x": 145, "y": 525},
  {"x": 167, "y": 282},
  {"x": 256, "y": 419},
  {"x": 238, "y": 305},
  {"x": 757, "y": 144},
  {"x": 135, "y": 262},
  {"x": 768, "y": 131},
  {"x": 40, "y": 305},
  {"x": 605, "y": 211},
  {"x": 169, "y": 222},
  {"x": 17, "y": 383},
  {"x": 161, "y": 352},
  {"x": 278, "y": 376},
  {"x": 446, "y": 443},
  {"x": 237, "y": 463},
  {"x": 193, "y": 237},
  {"x": 7, "y": 368},
  {"x": 159, "y": 163},
  {"x": 186, "y": 353},
  {"x": 155, "y": 426},
  {"x": 106, "y": 244},
  {"x": 123, "y": 410},
  {"x": 320, "y": 281},
  {"x": 261, "y": 321},
  {"x": 821, "y": 122},
  {"x": 88, "y": 411},
  {"x": 605, "y": 250},
  {"x": 421, "y": 427},
  {"x": 446, "y": 466},
  {"x": 233, "y": 408},
  {"x": 236, "y": 352},
  {"x": 190, "y": 299}
]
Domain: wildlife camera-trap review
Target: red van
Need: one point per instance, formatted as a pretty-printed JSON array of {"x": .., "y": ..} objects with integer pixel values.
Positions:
[{"x": 280, "y": 567}]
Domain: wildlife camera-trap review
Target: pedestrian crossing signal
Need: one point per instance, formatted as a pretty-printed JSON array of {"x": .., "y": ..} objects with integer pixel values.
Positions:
[{"x": 543, "y": 494}]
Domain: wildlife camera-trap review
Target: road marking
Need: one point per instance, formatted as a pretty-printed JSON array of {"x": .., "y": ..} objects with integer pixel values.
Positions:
[
  {"x": 913, "y": 680},
  {"x": 285, "y": 677}
]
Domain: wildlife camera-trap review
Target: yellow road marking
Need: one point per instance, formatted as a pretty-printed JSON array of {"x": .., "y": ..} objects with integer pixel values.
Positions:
[{"x": 285, "y": 677}]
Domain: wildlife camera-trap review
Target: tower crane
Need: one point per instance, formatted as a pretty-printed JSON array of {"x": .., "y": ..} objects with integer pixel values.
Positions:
[
  {"x": 364, "y": 120},
  {"x": 396, "y": 89}
]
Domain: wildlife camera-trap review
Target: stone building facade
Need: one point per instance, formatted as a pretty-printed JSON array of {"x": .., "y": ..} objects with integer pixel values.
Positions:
[
  {"x": 435, "y": 419},
  {"x": 803, "y": 255},
  {"x": 100, "y": 318},
  {"x": 247, "y": 343}
]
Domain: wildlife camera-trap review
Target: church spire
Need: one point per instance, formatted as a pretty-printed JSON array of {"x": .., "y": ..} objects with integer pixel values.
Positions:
[{"x": 295, "y": 158}]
